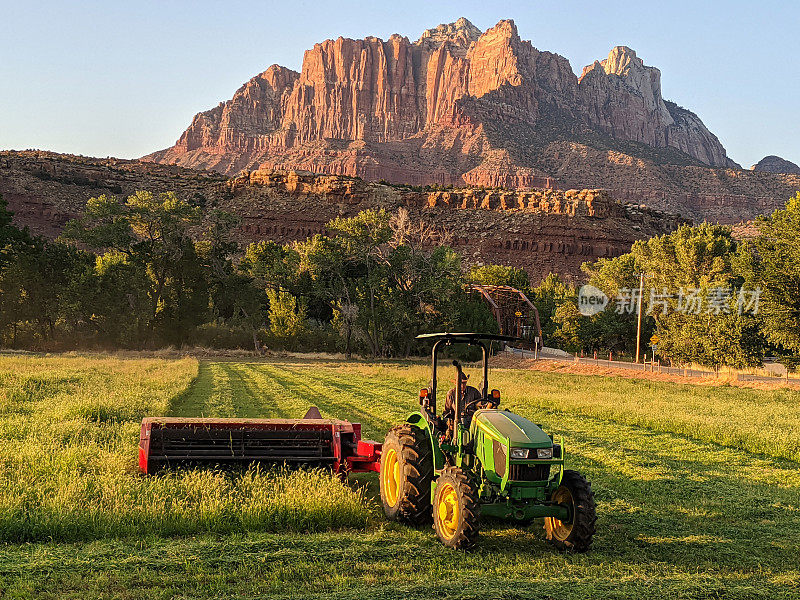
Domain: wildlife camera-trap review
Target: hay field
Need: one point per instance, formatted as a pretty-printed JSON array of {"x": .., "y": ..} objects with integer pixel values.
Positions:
[{"x": 698, "y": 489}]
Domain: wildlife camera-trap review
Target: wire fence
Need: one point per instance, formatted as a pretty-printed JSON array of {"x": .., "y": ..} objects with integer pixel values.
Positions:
[{"x": 653, "y": 367}]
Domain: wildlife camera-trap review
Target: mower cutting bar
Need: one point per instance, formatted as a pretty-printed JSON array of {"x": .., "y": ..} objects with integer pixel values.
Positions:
[{"x": 311, "y": 441}]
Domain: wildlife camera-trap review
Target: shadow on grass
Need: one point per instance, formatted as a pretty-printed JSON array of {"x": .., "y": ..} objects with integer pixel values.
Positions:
[{"x": 187, "y": 401}]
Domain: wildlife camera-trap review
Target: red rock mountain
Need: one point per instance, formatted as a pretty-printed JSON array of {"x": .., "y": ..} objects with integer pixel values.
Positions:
[
  {"x": 357, "y": 102},
  {"x": 467, "y": 108}
]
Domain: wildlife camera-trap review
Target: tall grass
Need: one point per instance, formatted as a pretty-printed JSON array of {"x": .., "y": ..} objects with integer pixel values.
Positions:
[{"x": 69, "y": 430}]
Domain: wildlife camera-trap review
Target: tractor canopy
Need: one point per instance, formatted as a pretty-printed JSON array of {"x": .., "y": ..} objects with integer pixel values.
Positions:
[{"x": 510, "y": 429}]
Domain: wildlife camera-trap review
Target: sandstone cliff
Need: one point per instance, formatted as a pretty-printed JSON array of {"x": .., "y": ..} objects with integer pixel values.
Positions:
[
  {"x": 450, "y": 108},
  {"x": 540, "y": 231},
  {"x": 623, "y": 98}
]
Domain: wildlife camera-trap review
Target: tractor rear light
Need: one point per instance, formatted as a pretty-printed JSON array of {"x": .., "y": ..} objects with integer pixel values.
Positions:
[
  {"x": 544, "y": 453},
  {"x": 496, "y": 394},
  {"x": 519, "y": 453},
  {"x": 423, "y": 398}
]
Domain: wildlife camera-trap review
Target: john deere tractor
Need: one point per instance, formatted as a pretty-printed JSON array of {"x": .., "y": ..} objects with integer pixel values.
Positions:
[{"x": 477, "y": 459}]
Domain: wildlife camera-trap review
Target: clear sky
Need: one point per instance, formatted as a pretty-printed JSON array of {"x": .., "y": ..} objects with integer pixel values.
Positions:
[{"x": 125, "y": 78}]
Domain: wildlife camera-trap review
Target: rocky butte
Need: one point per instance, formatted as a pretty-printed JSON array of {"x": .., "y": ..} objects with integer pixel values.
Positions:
[
  {"x": 469, "y": 108},
  {"x": 776, "y": 164}
]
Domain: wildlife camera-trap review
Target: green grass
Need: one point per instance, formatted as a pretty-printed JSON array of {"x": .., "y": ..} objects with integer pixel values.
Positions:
[
  {"x": 69, "y": 428},
  {"x": 698, "y": 489}
]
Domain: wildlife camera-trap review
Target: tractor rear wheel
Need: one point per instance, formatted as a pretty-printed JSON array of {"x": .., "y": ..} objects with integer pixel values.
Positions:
[
  {"x": 456, "y": 509},
  {"x": 576, "y": 493},
  {"x": 406, "y": 474}
]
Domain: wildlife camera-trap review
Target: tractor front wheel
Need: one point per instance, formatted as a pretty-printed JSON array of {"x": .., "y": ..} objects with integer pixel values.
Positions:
[
  {"x": 456, "y": 509},
  {"x": 576, "y": 493},
  {"x": 406, "y": 474}
]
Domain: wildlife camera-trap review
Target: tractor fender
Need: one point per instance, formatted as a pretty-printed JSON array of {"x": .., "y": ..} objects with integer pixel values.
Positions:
[{"x": 419, "y": 421}]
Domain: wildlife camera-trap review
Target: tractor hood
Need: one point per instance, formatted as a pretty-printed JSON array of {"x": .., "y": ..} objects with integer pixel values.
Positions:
[{"x": 511, "y": 429}]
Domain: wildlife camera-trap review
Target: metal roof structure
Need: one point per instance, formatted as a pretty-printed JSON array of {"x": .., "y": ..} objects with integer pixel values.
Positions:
[{"x": 516, "y": 315}]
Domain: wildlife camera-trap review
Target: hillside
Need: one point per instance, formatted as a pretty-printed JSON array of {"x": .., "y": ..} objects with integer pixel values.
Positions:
[{"x": 541, "y": 231}]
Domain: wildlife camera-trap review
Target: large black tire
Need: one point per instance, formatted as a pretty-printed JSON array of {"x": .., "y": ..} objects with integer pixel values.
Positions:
[
  {"x": 576, "y": 536},
  {"x": 406, "y": 475},
  {"x": 456, "y": 509}
]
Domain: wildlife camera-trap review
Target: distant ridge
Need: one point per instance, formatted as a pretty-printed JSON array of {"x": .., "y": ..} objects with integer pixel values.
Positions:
[{"x": 776, "y": 164}]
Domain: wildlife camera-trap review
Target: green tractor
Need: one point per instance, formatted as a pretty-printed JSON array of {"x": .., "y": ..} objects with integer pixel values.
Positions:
[{"x": 476, "y": 459}]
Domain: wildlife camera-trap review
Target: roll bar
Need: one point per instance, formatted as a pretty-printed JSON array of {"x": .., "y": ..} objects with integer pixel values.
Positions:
[
  {"x": 447, "y": 339},
  {"x": 434, "y": 358}
]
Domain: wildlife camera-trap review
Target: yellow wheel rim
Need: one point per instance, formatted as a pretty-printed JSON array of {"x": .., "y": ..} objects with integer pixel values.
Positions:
[
  {"x": 448, "y": 510},
  {"x": 555, "y": 527},
  {"x": 390, "y": 477}
]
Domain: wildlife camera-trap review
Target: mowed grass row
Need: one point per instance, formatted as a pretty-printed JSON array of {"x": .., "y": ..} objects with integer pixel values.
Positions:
[
  {"x": 69, "y": 431},
  {"x": 680, "y": 515},
  {"x": 758, "y": 421}
]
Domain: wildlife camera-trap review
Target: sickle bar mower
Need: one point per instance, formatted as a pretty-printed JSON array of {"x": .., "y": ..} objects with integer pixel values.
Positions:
[{"x": 311, "y": 441}]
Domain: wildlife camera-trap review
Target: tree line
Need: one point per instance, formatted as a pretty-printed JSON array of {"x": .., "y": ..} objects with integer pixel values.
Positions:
[
  {"x": 707, "y": 297},
  {"x": 155, "y": 270}
]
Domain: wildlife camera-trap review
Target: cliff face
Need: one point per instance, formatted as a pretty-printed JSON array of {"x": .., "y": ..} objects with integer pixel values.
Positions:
[
  {"x": 376, "y": 108},
  {"x": 540, "y": 231},
  {"x": 623, "y": 98}
]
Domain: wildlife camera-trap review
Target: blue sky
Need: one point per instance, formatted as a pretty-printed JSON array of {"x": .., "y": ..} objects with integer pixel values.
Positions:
[{"x": 125, "y": 78}]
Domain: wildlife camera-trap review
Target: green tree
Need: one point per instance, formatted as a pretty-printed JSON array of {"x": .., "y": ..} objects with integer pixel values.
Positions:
[
  {"x": 113, "y": 300},
  {"x": 689, "y": 297},
  {"x": 699, "y": 261},
  {"x": 35, "y": 282},
  {"x": 772, "y": 264},
  {"x": 272, "y": 265},
  {"x": 348, "y": 268},
  {"x": 614, "y": 330},
  {"x": 500, "y": 275},
  {"x": 154, "y": 232},
  {"x": 548, "y": 296},
  {"x": 287, "y": 317},
  {"x": 386, "y": 278}
]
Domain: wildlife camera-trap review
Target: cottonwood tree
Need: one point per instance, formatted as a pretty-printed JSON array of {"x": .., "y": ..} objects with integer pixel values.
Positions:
[
  {"x": 386, "y": 277},
  {"x": 500, "y": 275},
  {"x": 154, "y": 233},
  {"x": 694, "y": 263},
  {"x": 37, "y": 282},
  {"x": 772, "y": 263}
]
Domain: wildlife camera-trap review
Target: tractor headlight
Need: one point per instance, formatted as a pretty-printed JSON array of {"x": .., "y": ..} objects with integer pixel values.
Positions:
[
  {"x": 519, "y": 453},
  {"x": 544, "y": 453}
]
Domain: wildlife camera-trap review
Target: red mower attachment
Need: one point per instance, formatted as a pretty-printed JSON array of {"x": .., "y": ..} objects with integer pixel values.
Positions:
[{"x": 311, "y": 441}]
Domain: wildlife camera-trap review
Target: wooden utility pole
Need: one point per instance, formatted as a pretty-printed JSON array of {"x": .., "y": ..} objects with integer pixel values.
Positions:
[{"x": 639, "y": 317}]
